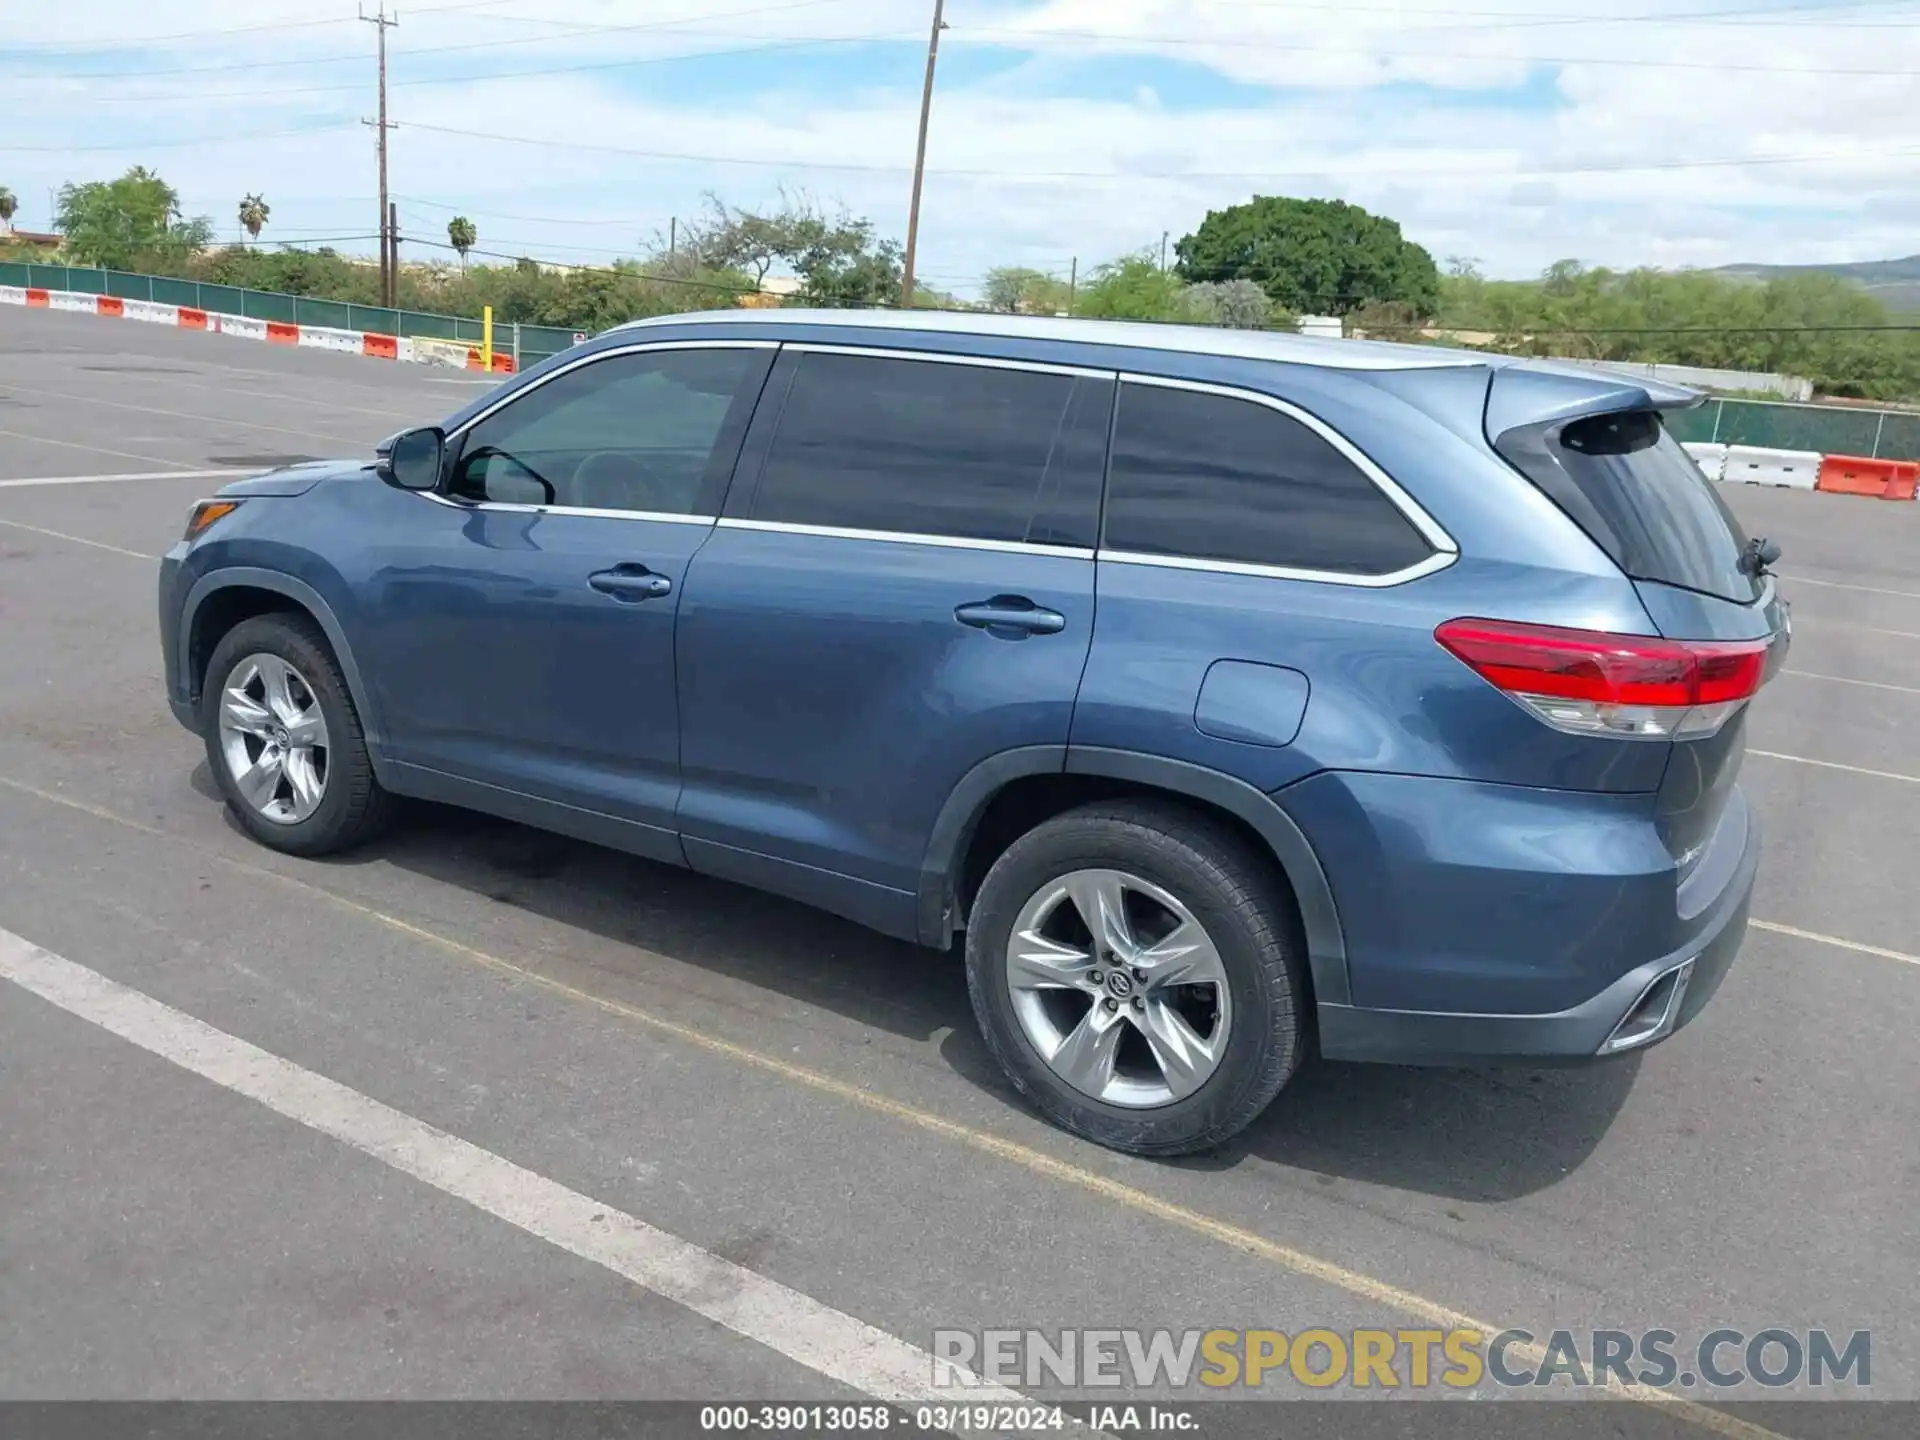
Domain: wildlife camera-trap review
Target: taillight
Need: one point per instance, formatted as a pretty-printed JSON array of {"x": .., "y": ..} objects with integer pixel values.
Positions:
[{"x": 1588, "y": 682}]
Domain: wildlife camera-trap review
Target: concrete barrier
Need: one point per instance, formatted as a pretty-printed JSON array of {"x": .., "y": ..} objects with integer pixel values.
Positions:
[
  {"x": 1756, "y": 465},
  {"x": 1712, "y": 459}
]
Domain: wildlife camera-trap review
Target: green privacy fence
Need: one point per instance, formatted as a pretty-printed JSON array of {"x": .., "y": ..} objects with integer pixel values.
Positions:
[
  {"x": 1829, "y": 429},
  {"x": 527, "y": 343}
]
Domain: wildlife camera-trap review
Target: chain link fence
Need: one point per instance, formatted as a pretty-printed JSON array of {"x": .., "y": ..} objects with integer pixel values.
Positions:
[
  {"x": 1828, "y": 429},
  {"x": 528, "y": 343}
]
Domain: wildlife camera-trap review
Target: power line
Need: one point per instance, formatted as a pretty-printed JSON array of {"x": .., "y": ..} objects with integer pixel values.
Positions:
[
  {"x": 1002, "y": 173},
  {"x": 223, "y": 137},
  {"x": 580, "y": 33}
]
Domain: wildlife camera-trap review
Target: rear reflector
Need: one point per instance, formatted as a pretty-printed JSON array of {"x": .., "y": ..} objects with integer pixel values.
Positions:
[{"x": 1589, "y": 682}]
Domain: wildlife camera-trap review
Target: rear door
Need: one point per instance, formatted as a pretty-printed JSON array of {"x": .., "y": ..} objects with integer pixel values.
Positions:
[
  {"x": 901, "y": 587},
  {"x": 1636, "y": 492}
]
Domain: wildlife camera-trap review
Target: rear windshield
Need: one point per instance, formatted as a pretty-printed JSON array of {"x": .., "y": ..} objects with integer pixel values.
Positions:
[{"x": 1630, "y": 486}]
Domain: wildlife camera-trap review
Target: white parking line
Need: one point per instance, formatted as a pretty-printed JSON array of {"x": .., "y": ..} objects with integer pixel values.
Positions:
[
  {"x": 823, "y": 1339},
  {"x": 1836, "y": 765},
  {"x": 1836, "y": 585},
  {"x": 135, "y": 475},
  {"x": 1846, "y": 680}
]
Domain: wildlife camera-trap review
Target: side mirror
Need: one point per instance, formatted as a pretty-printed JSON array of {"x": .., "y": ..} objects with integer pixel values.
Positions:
[{"x": 413, "y": 459}]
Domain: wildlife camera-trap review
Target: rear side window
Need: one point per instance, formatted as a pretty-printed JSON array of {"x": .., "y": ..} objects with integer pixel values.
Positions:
[
  {"x": 1629, "y": 484},
  {"x": 936, "y": 448},
  {"x": 1211, "y": 477}
]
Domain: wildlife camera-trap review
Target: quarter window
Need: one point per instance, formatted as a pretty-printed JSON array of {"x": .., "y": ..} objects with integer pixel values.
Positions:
[
  {"x": 653, "y": 431},
  {"x": 936, "y": 448},
  {"x": 1211, "y": 477}
]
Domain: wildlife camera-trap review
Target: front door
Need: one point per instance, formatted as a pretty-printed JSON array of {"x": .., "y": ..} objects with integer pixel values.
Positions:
[
  {"x": 524, "y": 618},
  {"x": 901, "y": 588}
]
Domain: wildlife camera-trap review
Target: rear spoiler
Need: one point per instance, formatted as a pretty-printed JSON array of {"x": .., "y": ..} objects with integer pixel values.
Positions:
[{"x": 1545, "y": 392}]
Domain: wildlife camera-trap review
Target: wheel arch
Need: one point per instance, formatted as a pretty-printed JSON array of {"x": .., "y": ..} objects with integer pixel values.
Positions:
[
  {"x": 196, "y": 648},
  {"x": 943, "y": 877}
]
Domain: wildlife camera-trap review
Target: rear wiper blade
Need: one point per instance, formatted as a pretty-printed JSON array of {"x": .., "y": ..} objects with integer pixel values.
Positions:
[{"x": 1760, "y": 555}]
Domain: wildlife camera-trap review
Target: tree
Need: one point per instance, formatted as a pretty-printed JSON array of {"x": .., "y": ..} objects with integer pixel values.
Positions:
[
  {"x": 835, "y": 254},
  {"x": 1311, "y": 256},
  {"x": 1017, "y": 290},
  {"x": 462, "y": 236},
  {"x": 1238, "y": 304},
  {"x": 253, "y": 214},
  {"x": 121, "y": 223},
  {"x": 8, "y": 205},
  {"x": 1132, "y": 288}
]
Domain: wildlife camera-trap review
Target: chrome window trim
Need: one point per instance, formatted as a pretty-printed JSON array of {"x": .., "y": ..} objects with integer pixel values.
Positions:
[
  {"x": 588, "y": 511},
  {"x": 638, "y": 347},
  {"x": 510, "y": 507},
  {"x": 947, "y": 357},
  {"x": 903, "y": 537},
  {"x": 1439, "y": 560},
  {"x": 1446, "y": 549}
]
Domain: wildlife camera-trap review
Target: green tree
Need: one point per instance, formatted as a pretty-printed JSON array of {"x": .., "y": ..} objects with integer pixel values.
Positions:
[
  {"x": 462, "y": 236},
  {"x": 254, "y": 212},
  {"x": 1016, "y": 289},
  {"x": 1133, "y": 287},
  {"x": 8, "y": 205},
  {"x": 836, "y": 255},
  {"x": 1322, "y": 257},
  {"x": 124, "y": 223}
]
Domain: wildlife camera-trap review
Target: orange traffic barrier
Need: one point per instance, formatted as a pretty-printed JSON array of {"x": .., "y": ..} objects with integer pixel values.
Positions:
[
  {"x": 385, "y": 347},
  {"x": 1879, "y": 479},
  {"x": 192, "y": 319},
  {"x": 110, "y": 305},
  {"x": 502, "y": 364},
  {"x": 39, "y": 299},
  {"x": 281, "y": 334}
]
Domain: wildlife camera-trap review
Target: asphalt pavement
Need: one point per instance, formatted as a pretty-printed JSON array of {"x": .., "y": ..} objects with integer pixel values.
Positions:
[{"x": 802, "y": 1161}]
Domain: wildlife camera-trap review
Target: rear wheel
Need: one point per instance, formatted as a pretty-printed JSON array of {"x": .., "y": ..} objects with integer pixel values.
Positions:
[
  {"x": 284, "y": 740},
  {"x": 1133, "y": 968}
]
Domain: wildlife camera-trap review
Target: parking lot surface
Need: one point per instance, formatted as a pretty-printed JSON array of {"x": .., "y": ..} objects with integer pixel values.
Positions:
[{"x": 482, "y": 1112}]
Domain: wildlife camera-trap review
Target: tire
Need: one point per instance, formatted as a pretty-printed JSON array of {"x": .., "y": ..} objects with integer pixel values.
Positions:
[
  {"x": 1259, "y": 992},
  {"x": 351, "y": 806}
]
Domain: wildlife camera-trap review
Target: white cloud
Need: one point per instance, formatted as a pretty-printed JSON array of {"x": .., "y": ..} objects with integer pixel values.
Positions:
[{"x": 1033, "y": 166}]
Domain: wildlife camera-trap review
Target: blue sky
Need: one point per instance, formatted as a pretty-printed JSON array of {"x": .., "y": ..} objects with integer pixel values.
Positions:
[{"x": 1513, "y": 132}]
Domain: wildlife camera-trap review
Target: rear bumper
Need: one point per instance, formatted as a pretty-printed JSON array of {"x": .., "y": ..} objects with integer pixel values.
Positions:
[{"x": 1421, "y": 1037}]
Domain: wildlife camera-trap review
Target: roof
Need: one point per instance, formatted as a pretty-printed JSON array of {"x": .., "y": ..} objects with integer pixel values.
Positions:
[{"x": 1122, "y": 334}]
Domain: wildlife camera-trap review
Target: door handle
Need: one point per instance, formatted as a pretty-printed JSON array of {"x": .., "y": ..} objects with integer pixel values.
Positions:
[
  {"x": 1011, "y": 616},
  {"x": 630, "y": 584}
]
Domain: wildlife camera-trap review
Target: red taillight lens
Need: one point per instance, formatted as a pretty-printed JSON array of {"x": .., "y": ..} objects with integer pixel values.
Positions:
[{"x": 1588, "y": 681}]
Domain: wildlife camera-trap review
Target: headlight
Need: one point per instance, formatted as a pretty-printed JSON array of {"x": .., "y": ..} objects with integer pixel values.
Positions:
[{"x": 205, "y": 513}]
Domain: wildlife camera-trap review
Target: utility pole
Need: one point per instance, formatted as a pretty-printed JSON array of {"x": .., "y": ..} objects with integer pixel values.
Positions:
[
  {"x": 920, "y": 156},
  {"x": 1073, "y": 284},
  {"x": 389, "y": 281},
  {"x": 393, "y": 255},
  {"x": 1163, "y": 252}
]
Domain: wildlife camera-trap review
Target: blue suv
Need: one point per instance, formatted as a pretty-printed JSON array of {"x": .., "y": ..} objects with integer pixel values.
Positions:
[{"x": 1233, "y": 693}]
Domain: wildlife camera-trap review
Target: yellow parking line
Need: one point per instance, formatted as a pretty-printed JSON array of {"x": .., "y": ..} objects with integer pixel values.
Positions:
[
  {"x": 1036, "y": 1162},
  {"x": 78, "y": 539},
  {"x": 1815, "y": 935}
]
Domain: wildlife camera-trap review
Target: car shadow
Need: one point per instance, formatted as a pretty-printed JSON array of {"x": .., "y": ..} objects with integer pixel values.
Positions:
[{"x": 1471, "y": 1135}]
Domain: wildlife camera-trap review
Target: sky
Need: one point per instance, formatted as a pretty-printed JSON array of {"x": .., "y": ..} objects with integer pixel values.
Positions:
[{"x": 1511, "y": 133}]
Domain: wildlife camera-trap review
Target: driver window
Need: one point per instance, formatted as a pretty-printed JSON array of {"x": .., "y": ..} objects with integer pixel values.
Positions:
[{"x": 639, "y": 432}]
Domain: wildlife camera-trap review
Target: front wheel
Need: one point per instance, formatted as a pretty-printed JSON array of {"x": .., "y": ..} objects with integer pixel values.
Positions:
[
  {"x": 1133, "y": 968},
  {"x": 284, "y": 740}
]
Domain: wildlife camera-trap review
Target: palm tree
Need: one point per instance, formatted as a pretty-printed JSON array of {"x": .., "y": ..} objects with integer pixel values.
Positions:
[
  {"x": 253, "y": 214},
  {"x": 8, "y": 204},
  {"x": 462, "y": 236}
]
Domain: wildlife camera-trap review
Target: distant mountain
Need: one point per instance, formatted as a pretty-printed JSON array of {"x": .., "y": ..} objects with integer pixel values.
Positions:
[{"x": 1895, "y": 283}]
